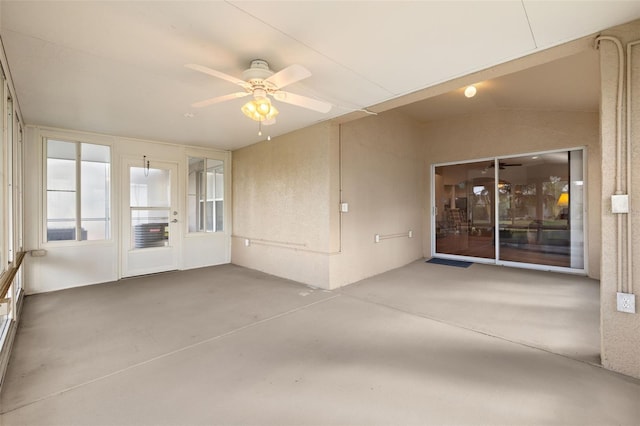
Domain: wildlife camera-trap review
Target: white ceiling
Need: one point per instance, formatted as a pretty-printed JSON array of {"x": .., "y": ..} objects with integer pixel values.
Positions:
[{"x": 118, "y": 67}]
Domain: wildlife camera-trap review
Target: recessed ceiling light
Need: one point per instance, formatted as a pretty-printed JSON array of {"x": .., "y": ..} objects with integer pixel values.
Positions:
[
  {"x": 535, "y": 157},
  {"x": 470, "y": 91},
  {"x": 188, "y": 115}
]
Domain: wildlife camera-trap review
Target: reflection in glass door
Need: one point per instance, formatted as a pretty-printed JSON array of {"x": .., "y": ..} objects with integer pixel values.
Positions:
[
  {"x": 540, "y": 204},
  {"x": 464, "y": 199},
  {"x": 540, "y": 209}
]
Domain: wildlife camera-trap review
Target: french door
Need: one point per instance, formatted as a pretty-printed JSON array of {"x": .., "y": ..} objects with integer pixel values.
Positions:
[
  {"x": 525, "y": 210},
  {"x": 150, "y": 218}
]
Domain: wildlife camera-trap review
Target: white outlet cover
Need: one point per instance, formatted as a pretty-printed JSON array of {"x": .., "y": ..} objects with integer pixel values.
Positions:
[
  {"x": 620, "y": 203},
  {"x": 626, "y": 302}
]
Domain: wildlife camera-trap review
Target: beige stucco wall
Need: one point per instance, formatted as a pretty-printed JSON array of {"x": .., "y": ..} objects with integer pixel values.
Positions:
[
  {"x": 282, "y": 192},
  {"x": 510, "y": 132},
  {"x": 620, "y": 331},
  {"x": 383, "y": 183},
  {"x": 287, "y": 194}
]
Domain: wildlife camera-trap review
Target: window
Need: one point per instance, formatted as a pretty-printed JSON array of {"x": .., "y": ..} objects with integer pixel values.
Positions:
[
  {"x": 78, "y": 181},
  {"x": 206, "y": 195}
]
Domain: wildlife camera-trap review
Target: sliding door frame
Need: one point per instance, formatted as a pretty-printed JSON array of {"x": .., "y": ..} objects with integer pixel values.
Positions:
[{"x": 496, "y": 260}]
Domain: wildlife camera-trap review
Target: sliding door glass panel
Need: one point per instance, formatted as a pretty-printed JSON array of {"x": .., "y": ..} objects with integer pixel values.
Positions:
[
  {"x": 576, "y": 208},
  {"x": 540, "y": 204},
  {"x": 465, "y": 209}
]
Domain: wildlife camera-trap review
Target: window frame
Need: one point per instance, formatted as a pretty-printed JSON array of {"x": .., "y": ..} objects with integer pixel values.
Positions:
[
  {"x": 214, "y": 200},
  {"x": 78, "y": 189},
  {"x": 226, "y": 158}
]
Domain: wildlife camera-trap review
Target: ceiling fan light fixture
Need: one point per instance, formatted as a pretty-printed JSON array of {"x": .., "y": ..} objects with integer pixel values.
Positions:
[
  {"x": 264, "y": 106},
  {"x": 260, "y": 109}
]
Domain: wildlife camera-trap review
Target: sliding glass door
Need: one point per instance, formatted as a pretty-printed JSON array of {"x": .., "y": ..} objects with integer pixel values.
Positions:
[
  {"x": 536, "y": 200},
  {"x": 465, "y": 213}
]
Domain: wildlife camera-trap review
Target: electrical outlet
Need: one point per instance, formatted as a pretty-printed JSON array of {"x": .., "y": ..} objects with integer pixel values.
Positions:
[
  {"x": 376, "y": 238},
  {"x": 247, "y": 242},
  {"x": 626, "y": 302}
]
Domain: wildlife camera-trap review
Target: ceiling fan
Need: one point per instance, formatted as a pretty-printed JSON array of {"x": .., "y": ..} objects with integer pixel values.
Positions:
[
  {"x": 502, "y": 165},
  {"x": 260, "y": 81}
]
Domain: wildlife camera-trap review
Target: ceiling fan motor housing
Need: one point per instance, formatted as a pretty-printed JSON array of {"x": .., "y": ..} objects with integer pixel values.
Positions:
[{"x": 257, "y": 73}]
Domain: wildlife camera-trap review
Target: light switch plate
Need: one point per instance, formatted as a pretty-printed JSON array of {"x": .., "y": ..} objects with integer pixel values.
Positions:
[
  {"x": 344, "y": 207},
  {"x": 626, "y": 302}
]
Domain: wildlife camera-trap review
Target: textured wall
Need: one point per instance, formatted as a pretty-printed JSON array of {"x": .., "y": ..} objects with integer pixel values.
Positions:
[
  {"x": 620, "y": 331},
  {"x": 383, "y": 181},
  {"x": 281, "y": 203},
  {"x": 287, "y": 194},
  {"x": 513, "y": 133}
]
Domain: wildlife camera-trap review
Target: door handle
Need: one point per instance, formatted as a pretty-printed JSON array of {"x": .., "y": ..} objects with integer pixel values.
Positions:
[{"x": 174, "y": 221}]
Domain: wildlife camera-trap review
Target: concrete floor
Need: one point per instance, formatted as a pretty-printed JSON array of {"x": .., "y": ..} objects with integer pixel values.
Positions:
[{"x": 423, "y": 344}]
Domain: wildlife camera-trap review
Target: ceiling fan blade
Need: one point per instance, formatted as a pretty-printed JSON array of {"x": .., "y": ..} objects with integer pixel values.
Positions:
[
  {"x": 302, "y": 101},
  {"x": 219, "y": 99},
  {"x": 289, "y": 75},
  {"x": 217, "y": 74}
]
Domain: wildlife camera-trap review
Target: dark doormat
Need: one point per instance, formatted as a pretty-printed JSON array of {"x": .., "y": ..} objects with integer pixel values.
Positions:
[{"x": 449, "y": 262}]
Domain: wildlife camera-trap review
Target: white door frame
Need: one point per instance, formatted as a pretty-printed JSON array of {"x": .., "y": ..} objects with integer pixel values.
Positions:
[{"x": 154, "y": 259}]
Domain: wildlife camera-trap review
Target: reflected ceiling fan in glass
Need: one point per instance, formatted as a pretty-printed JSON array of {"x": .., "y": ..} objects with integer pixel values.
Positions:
[{"x": 502, "y": 165}]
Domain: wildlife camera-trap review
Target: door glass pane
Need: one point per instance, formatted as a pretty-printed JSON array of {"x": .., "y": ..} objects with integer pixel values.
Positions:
[
  {"x": 576, "y": 208},
  {"x": 464, "y": 196},
  {"x": 150, "y": 187},
  {"x": 150, "y": 202},
  {"x": 150, "y": 228},
  {"x": 540, "y": 196}
]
